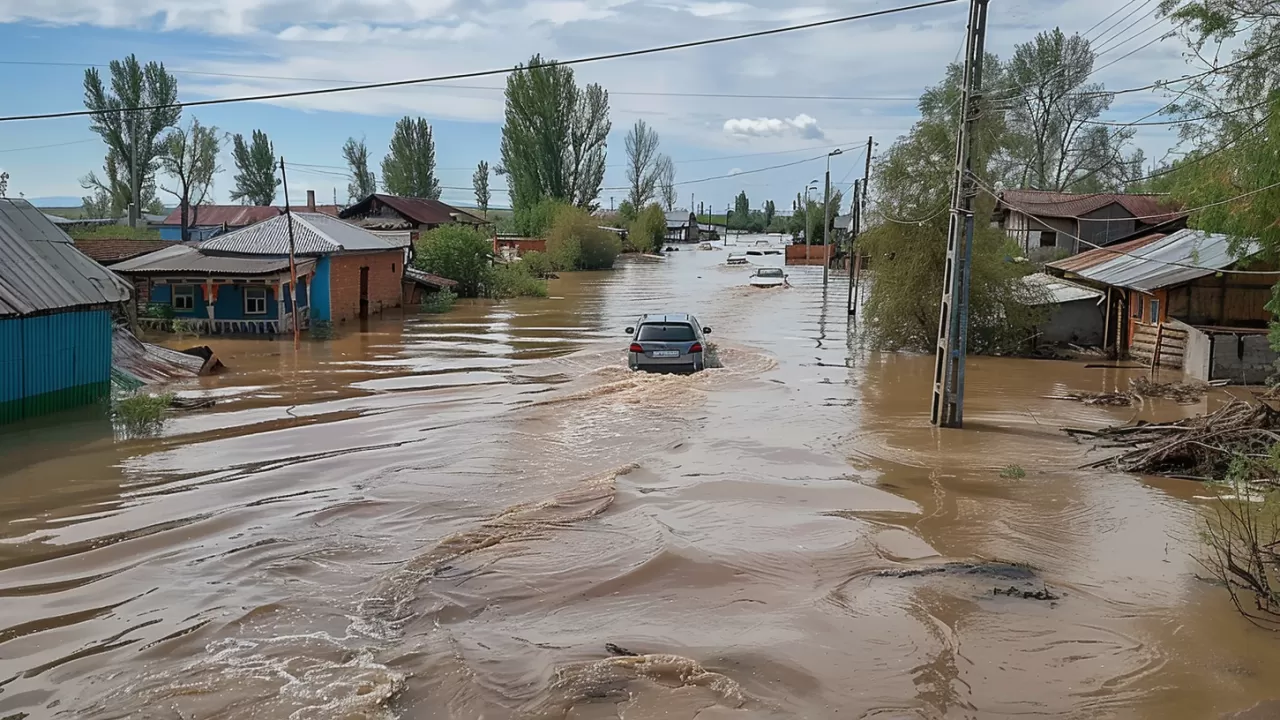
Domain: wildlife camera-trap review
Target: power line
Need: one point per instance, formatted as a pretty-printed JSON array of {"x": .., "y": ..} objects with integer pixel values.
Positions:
[
  {"x": 1177, "y": 122},
  {"x": 54, "y": 145},
  {"x": 487, "y": 73}
]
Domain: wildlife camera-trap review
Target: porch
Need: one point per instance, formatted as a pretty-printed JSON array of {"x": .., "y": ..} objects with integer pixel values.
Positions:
[{"x": 216, "y": 326}]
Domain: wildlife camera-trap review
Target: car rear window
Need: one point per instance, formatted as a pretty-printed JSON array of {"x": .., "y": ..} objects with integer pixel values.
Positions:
[{"x": 666, "y": 332}]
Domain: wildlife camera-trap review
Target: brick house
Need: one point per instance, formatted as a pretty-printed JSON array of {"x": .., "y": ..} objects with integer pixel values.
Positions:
[
  {"x": 241, "y": 282},
  {"x": 391, "y": 213}
]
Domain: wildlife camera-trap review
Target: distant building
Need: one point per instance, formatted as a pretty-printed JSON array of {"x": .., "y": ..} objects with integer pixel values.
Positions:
[
  {"x": 241, "y": 282},
  {"x": 1046, "y": 225},
  {"x": 55, "y": 317},
  {"x": 392, "y": 213},
  {"x": 207, "y": 221},
  {"x": 682, "y": 226}
]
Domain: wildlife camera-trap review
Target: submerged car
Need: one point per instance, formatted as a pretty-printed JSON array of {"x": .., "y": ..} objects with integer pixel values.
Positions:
[
  {"x": 671, "y": 342},
  {"x": 768, "y": 277}
]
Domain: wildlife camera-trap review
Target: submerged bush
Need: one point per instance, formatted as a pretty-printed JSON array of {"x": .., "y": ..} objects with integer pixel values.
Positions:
[
  {"x": 648, "y": 230},
  {"x": 538, "y": 264},
  {"x": 514, "y": 280},
  {"x": 458, "y": 252},
  {"x": 439, "y": 302},
  {"x": 576, "y": 242},
  {"x": 141, "y": 413}
]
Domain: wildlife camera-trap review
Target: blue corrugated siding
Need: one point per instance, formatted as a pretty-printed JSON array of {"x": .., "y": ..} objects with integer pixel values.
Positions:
[
  {"x": 50, "y": 362},
  {"x": 320, "y": 290}
]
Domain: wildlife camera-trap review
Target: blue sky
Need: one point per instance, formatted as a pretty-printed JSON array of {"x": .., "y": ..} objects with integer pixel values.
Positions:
[{"x": 222, "y": 48}]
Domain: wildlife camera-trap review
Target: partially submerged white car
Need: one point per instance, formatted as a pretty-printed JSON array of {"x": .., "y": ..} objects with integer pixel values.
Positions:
[{"x": 768, "y": 277}]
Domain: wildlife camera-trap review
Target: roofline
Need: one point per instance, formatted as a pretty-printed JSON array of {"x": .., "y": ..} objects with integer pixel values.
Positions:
[{"x": 58, "y": 310}]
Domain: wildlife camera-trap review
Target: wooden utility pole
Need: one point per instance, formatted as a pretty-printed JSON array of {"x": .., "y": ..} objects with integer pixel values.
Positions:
[
  {"x": 293, "y": 264},
  {"x": 947, "y": 408}
]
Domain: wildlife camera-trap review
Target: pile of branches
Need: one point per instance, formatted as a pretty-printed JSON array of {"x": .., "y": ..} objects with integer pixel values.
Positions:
[
  {"x": 1115, "y": 399},
  {"x": 1184, "y": 393},
  {"x": 1201, "y": 447}
]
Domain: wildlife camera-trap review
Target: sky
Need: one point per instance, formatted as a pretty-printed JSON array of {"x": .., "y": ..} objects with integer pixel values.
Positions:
[{"x": 721, "y": 145}]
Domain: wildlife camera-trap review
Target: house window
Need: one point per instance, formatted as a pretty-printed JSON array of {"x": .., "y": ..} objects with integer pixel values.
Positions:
[
  {"x": 255, "y": 301},
  {"x": 393, "y": 267},
  {"x": 1155, "y": 311},
  {"x": 1138, "y": 307},
  {"x": 1048, "y": 238},
  {"x": 184, "y": 297}
]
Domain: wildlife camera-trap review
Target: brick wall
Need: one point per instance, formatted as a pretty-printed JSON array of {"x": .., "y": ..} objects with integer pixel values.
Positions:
[{"x": 385, "y": 272}]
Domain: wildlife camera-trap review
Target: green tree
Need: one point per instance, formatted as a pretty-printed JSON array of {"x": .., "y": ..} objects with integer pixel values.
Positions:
[
  {"x": 458, "y": 252},
  {"x": 480, "y": 183},
  {"x": 741, "y": 211},
  {"x": 111, "y": 193},
  {"x": 190, "y": 157},
  {"x": 642, "y": 163},
  {"x": 255, "y": 179},
  {"x": 554, "y": 136},
  {"x": 535, "y": 220},
  {"x": 648, "y": 229},
  {"x": 907, "y": 239},
  {"x": 627, "y": 211},
  {"x": 409, "y": 169},
  {"x": 363, "y": 183},
  {"x": 132, "y": 133},
  {"x": 1053, "y": 104},
  {"x": 769, "y": 212},
  {"x": 576, "y": 242}
]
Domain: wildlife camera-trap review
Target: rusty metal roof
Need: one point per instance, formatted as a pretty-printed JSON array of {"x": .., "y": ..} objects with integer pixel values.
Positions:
[
  {"x": 110, "y": 250},
  {"x": 1170, "y": 260},
  {"x": 313, "y": 234},
  {"x": 1151, "y": 209},
  {"x": 1097, "y": 256},
  {"x": 186, "y": 259},
  {"x": 427, "y": 279},
  {"x": 41, "y": 269},
  {"x": 422, "y": 211},
  {"x": 232, "y": 215}
]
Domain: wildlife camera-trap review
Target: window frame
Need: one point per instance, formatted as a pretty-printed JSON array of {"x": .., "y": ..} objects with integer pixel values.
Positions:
[
  {"x": 1052, "y": 234},
  {"x": 1154, "y": 305},
  {"x": 252, "y": 293},
  {"x": 189, "y": 295}
]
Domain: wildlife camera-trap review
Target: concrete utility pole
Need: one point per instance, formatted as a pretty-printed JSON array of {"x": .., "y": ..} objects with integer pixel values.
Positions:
[
  {"x": 947, "y": 409},
  {"x": 135, "y": 185},
  {"x": 293, "y": 265},
  {"x": 855, "y": 254},
  {"x": 808, "y": 240},
  {"x": 856, "y": 210}
]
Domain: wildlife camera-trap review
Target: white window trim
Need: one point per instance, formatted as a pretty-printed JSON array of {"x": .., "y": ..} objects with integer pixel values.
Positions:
[
  {"x": 252, "y": 293},
  {"x": 191, "y": 293}
]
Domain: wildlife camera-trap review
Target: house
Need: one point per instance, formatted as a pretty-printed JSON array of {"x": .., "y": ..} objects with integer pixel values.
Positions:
[
  {"x": 241, "y": 282},
  {"x": 113, "y": 250},
  {"x": 1076, "y": 314},
  {"x": 1049, "y": 225},
  {"x": 1173, "y": 297},
  {"x": 206, "y": 221},
  {"x": 55, "y": 317},
  {"x": 393, "y": 214},
  {"x": 682, "y": 227}
]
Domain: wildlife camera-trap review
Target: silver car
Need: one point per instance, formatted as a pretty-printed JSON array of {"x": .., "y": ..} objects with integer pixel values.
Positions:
[{"x": 667, "y": 343}]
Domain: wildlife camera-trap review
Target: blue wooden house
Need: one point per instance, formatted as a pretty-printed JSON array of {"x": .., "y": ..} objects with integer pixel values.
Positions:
[
  {"x": 241, "y": 282},
  {"x": 55, "y": 317}
]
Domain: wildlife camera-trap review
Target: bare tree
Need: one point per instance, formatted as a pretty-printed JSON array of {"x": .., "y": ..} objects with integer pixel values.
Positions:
[
  {"x": 190, "y": 157},
  {"x": 642, "y": 163},
  {"x": 667, "y": 182}
]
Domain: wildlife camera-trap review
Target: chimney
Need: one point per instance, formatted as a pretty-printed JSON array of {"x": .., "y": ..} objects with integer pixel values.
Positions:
[{"x": 311, "y": 201}]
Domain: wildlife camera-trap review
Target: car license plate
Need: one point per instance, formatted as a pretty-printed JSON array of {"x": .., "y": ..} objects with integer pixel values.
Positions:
[{"x": 666, "y": 353}]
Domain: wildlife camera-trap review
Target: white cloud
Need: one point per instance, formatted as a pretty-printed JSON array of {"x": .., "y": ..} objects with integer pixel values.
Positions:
[
  {"x": 801, "y": 125},
  {"x": 735, "y": 171}
]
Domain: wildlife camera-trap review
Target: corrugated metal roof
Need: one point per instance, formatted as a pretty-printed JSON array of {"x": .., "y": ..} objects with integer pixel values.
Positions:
[
  {"x": 1097, "y": 256},
  {"x": 110, "y": 250},
  {"x": 1054, "y": 291},
  {"x": 187, "y": 259},
  {"x": 40, "y": 268},
  {"x": 422, "y": 211},
  {"x": 313, "y": 234},
  {"x": 1172, "y": 260},
  {"x": 426, "y": 278},
  {"x": 1043, "y": 203}
]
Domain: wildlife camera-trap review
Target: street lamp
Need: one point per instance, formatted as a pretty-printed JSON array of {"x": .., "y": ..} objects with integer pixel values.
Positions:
[{"x": 826, "y": 216}]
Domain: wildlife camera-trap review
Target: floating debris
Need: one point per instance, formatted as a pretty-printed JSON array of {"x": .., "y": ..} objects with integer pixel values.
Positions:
[{"x": 1042, "y": 594}]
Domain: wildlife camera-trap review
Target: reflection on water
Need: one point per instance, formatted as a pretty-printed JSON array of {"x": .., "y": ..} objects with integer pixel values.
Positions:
[{"x": 485, "y": 515}]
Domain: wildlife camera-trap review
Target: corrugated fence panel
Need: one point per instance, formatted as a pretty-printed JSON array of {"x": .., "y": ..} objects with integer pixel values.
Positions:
[{"x": 54, "y": 362}]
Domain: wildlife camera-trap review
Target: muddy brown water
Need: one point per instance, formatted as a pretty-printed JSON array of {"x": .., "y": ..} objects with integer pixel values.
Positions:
[{"x": 452, "y": 516}]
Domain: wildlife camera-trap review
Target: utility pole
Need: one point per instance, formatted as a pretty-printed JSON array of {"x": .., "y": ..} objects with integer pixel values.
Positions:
[
  {"x": 859, "y": 200},
  {"x": 850, "y": 304},
  {"x": 728, "y": 207},
  {"x": 826, "y": 224},
  {"x": 135, "y": 185},
  {"x": 947, "y": 409},
  {"x": 293, "y": 264}
]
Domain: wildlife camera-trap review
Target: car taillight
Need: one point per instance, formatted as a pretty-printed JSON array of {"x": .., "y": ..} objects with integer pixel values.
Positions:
[
  {"x": 696, "y": 347},
  {"x": 636, "y": 348}
]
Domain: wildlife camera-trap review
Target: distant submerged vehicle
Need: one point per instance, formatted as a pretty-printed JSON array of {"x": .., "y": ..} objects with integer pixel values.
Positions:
[{"x": 768, "y": 277}]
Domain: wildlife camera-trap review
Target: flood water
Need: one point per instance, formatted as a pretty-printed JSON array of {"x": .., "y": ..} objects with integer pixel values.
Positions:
[{"x": 452, "y": 516}]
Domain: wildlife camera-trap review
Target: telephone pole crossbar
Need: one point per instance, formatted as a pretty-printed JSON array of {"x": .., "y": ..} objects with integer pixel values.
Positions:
[{"x": 947, "y": 409}]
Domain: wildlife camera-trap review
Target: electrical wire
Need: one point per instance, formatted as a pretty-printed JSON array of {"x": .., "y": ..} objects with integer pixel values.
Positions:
[
  {"x": 54, "y": 145},
  {"x": 491, "y": 72}
]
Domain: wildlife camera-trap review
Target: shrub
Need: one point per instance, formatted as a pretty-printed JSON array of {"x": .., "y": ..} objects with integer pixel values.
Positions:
[
  {"x": 648, "y": 230},
  {"x": 538, "y": 264},
  {"x": 514, "y": 280},
  {"x": 320, "y": 330},
  {"x": 439, "y": 302},
  {"x": 457, "y": 252},
  {"x": 142, "y": 413},
  {"x": 159, "y": 310},
  {"x": 576, "y": 242},
  {"x": 535, "y": 220}
]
